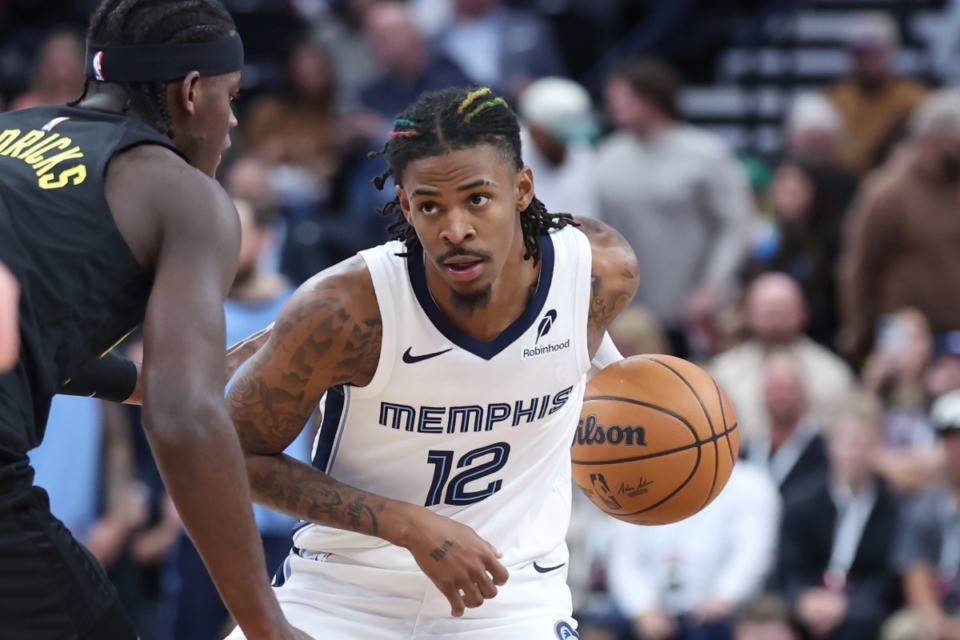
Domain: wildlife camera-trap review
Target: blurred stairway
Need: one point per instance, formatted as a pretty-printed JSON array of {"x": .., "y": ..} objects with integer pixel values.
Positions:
[{"x": 797, "y": 46}]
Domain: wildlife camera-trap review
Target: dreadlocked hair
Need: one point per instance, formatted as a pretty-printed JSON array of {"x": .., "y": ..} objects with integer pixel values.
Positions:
[
  {"x": 448, "y": 120},
  {"x": 142, "y": 22}
]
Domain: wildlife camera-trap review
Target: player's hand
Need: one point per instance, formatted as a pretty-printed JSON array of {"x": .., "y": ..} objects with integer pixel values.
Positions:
[
  {"x": 464, "y": 567},
  {"x": 240, "y": 352},
  {"x": 821, "y": 610},
  {"x": 713, "y": 609},
  {"x": 655, "y": 625}
]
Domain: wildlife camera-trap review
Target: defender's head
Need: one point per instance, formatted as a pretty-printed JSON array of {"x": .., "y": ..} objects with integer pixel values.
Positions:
[{"x": 178, "y": 61}]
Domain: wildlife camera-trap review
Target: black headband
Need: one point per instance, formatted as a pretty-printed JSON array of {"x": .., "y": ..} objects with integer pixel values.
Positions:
[{"x": 163, "y": 62}]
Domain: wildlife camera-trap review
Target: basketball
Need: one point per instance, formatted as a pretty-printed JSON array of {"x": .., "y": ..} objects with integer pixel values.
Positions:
[{"x": 657, "y": 440}]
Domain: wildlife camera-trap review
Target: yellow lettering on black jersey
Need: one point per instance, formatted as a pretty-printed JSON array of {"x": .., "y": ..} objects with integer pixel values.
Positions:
[{"x": 44, "y": 151}]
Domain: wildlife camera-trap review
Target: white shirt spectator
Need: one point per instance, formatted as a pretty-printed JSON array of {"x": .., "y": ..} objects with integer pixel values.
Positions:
[
  {"x": 570, "y": 187},
  {"x": 725, "y": 551}
]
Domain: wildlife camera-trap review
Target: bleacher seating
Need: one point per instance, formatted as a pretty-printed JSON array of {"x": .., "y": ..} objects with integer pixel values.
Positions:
[{"x": 797, "y": 47}]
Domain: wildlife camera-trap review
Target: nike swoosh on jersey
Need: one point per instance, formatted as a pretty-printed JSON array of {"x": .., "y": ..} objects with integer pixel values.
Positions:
[
  {"x": 547, "y": 569},
  {"x": 410, "y": 359}
]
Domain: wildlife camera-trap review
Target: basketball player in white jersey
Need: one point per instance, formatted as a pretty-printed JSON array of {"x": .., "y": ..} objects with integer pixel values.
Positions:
[{"x": 453, "y": 360}]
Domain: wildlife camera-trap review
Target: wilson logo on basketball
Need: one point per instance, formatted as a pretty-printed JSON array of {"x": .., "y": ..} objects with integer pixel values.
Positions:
[{"x": 590, "y": 432}]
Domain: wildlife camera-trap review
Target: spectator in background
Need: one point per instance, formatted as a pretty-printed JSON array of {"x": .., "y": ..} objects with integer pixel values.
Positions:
[
  {"x": 910, "y": 459},
  {"x": 872, "y": 99},
  {"x": 766, "y": 617},
  {"x": 298, "y": 133},
  {"x": 57, "y": 73},
  {"x": 499, "y": 46},
  {"x": 928, "y": 549},
  {"x": 835, "y": 564},
  {"x": 338, "y": 26},
  {"x": 559, "y": 128},
  {"x": 297, "y": 129},
  {"x": 793, "y": 450},
  {"x": 679, "y": 197},
  {"x": 813, "y": 129},
  {"x": 775, "y": 318},
  {"x": 408, "y": 68},
  {"x": 810, "y": 200},
  {"x": 636, "y": 331},
  {"x": 684, "y": 581},
  {"x": 902, "y": 245},
  {"x": 943, "y": 375},
  {"x": 255, "y": 300}
]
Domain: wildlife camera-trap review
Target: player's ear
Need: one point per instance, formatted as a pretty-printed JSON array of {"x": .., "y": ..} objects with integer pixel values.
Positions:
[
  {"x": 404, "y": 201},
  {"x": 524, "y": 188},
  {"x": 182, "y": 96}
]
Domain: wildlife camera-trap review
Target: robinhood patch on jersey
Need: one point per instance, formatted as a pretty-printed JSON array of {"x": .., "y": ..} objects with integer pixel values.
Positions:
[
  {"x": 541, "y": 344},
  {"x": 565, "y": 632}
]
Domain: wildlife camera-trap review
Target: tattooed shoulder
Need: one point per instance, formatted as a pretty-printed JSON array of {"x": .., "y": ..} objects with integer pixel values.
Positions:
[
  {"x": 614, "y": 276},
  {"x": 334, "y": 322}
]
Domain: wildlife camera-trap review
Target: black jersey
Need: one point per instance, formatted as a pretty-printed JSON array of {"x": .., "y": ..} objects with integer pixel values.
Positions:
[{"x": 82, "y": 290}]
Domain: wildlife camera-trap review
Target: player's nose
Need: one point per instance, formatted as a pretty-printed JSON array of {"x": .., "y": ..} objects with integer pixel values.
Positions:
[{"x": 458, "y": 226}]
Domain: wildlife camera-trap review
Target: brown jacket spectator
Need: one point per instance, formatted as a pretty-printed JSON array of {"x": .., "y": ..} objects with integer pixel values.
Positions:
[
  {"x": 903, "y": 246},
  {"x": 872, "y": 100}
]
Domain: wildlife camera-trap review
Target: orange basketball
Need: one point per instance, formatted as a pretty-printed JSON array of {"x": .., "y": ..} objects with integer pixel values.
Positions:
[{"x": 657, "y": 440}]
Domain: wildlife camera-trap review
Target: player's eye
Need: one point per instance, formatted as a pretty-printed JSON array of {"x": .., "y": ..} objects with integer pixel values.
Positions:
[
  {"x": 429, "y": 208},
  {"x": 479, "y": 199}
]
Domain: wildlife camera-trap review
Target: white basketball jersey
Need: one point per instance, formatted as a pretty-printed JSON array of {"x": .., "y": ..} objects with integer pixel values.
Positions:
[{"x": 476, "y": 431}]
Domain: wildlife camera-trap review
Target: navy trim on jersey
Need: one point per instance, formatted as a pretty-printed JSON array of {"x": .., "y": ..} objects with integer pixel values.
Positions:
[
  {"x": 485, "y": 350},
  {"x": 332, "y": 412}
]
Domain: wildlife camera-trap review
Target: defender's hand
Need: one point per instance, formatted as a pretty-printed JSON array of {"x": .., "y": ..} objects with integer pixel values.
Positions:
[{"x": 465, "y": 567}]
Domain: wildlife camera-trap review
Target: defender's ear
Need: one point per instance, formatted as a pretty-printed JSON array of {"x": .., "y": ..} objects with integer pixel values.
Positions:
[{"x": 182, "y": 96}]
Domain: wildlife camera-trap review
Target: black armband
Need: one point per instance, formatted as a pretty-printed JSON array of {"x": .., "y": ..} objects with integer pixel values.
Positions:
[{"x": 111, "y": 377}]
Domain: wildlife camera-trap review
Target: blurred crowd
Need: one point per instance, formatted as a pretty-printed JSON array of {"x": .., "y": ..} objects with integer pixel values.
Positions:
[{"x": 820, "y": 287}]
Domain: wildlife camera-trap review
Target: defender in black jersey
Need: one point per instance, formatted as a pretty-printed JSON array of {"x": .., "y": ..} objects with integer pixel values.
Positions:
[{"x": 110, "y": 218}]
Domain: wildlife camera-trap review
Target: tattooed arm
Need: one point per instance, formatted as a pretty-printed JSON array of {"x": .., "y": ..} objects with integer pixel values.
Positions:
[
  {"x": 330, "y": 334},
  {"x": 614, "y": 277}
]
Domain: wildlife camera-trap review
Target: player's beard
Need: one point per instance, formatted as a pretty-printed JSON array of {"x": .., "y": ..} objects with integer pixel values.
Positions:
[{"x": 471, "y": 302}]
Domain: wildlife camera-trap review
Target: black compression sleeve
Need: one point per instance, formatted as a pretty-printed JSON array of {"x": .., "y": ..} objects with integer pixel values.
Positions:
[{"x": 111, "y": 377}]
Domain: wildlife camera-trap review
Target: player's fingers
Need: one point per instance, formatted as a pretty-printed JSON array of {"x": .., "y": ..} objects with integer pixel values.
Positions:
[
  {"x": 471, "y": 595},
  {"x": 455, "y": 598},
  {"x": 497, "y": 572},
  {"x": 487, "y": 588}
]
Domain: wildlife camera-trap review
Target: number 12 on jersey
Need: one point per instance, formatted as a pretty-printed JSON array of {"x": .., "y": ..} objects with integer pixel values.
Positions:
[{"x": 454, "y": 491}]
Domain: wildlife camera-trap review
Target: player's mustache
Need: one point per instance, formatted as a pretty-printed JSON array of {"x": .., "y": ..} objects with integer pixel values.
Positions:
[{"x": 457, "y": 252}]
